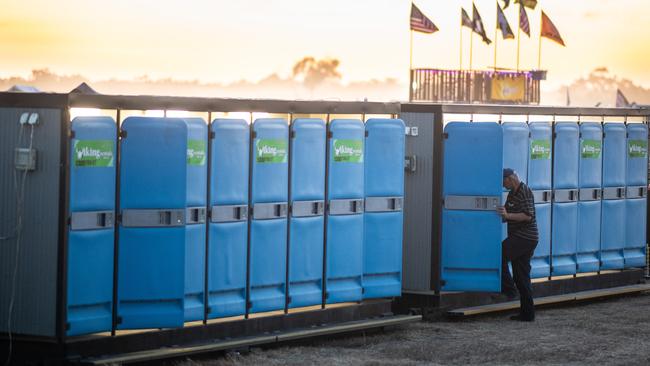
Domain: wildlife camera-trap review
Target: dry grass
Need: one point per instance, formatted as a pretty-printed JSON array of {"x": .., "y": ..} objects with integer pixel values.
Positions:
[{"x": 614, "y": 332}]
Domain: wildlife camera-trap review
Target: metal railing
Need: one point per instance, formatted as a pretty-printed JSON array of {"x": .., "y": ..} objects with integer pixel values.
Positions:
[{"x": 464, "y": 86}]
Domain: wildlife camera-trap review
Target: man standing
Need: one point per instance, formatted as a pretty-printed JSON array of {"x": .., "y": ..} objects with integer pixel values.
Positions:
[{"x": 518, "y": 248}]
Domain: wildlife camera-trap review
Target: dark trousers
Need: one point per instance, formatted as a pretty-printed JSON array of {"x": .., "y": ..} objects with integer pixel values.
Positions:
[{"x": 518, "y": 252}]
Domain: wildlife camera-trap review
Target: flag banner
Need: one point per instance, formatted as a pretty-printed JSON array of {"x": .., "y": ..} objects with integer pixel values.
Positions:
[
  {"x": 527, "y": 3},
  {"x": 621, "y": 101},
  {"x": 478, "y": 27},
  {"x": 508, "y": 88},
  {"x": 506, "y": 3},
  {"x": 502, "y": 24},
  {"x": 549, "y": 30},
  {"x": 465, "y": 20},
  {"x": 524, "y": 24},
  {"x": 420, "y": 23}
]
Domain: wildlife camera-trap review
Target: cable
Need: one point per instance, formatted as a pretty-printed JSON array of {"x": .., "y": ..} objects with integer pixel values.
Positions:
[{"x": 20, "y": 200}]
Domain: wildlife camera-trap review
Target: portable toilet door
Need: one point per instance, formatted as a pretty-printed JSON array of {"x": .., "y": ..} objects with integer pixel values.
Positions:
[
  {"x": 540, "y": 182},
  {"x": 383, "y": 217},
  {"x": 268, "y": 224},
  {"x": 228, "y": 227},
  {"x": 472, "y": 190},
  {"x": 197, "y": 181},
  {"x": 344, "y": 248},
  {"x": 565, "y": 199},
  {"x": 153, "y": 201},
  {"x": 589, "y": 207},
  {"x": 613, "y": 204},
  {"x": 92, "y": 225},
  {"x": 307, "y": 221},
  {"x": 515, "y": 148},
  {"x": 636, "y": 195}
]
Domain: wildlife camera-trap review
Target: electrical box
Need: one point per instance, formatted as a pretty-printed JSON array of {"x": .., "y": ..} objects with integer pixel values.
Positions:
[{"x": 25, "y": 159}]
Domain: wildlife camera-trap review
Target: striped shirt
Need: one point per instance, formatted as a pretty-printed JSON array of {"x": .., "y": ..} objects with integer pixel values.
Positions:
[{"x": 522, "y": 200}]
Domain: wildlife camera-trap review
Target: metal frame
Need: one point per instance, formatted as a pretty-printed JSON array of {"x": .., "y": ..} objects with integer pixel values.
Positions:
[
  {"x": 439, "y": 110},
  {"x": 64, "y": 102},
  {"x": 208, "y": 204}
]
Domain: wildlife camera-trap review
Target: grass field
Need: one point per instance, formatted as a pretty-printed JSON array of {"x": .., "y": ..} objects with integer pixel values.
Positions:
[{"x": 613, "y": 332}]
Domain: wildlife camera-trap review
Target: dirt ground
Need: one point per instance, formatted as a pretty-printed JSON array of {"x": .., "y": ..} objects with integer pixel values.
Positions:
[{"x": 612, "y": 332}]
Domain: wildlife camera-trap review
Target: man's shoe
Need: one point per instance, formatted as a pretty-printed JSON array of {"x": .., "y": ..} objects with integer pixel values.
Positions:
[{"x": 521, "y": 319}]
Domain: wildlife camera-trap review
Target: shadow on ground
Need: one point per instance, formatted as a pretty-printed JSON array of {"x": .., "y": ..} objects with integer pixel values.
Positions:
[{"x": 614, "y": 332}]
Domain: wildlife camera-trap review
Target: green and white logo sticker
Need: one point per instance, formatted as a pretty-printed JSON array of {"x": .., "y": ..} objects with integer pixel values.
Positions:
[
  {"x": 93, "y": 153},
  {"x": 590, "y": 149},
  {"x": 637, "y": 148},
  {"x": 540, "y": 149},
  {"x": 348, "y": 151},
  {"x": 271, "y": 151},
  {"x": 196, "y": 152}
]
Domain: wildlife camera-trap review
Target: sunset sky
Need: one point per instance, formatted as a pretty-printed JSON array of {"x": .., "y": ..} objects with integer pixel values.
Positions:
[{"x": 225, "y": 41}]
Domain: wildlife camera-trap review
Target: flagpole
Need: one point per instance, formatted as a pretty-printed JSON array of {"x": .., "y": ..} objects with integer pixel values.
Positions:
[
  {"x": 460, "y": 67},
  {"x": 496, "y": 36},
  {"x": 539, "y": 48},
  {"x": 518, "y": 37},
  {"x": 411, "y": 67},
  {"x": 411, "y": 53},
  {"x": 471, "y": 43}
]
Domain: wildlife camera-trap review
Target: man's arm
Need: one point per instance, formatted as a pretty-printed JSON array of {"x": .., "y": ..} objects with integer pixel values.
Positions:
[
  {"x": 513, "y": 217},
  {"x": 517, "y": 217}
]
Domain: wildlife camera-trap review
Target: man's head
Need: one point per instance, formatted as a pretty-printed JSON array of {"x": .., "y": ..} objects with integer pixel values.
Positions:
[{"x": 510, "y": 179}]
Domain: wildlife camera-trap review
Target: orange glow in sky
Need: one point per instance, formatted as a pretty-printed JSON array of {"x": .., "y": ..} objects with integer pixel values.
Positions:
[{"x": 224, "y": 41}]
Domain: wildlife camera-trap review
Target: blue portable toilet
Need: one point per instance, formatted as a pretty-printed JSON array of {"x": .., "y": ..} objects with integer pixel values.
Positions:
[
  {"x": 383, "y": 217},
  {"x": 612, "y": 227},
  {"x": 152, "y": 232},
  {"x": 307, "y": 221},
  {"x": 515, "y": 154},
  {"x": 515, "y": 148},
  {"x": 566, "y": 148},
  {"x": 472, "y": 190},
  {"x": 637, "y": 191},
  {"x": 91, "y": 229},
  {"x": 540, "y": 182},
  {"x": 197, "y": 181},
  {"x": 589, "y": 207},
  {"x": 268, "y": 224},
  {"x": 228, "y": 227},
  {"x": 344, "y": 248}
]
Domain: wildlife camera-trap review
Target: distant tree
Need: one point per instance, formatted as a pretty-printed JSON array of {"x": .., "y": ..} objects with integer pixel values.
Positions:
[{"x": 314, "y": 72}]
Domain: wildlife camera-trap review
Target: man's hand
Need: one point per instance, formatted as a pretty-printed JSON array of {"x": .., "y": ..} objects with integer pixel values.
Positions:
[{"x": 502, "y": 212}]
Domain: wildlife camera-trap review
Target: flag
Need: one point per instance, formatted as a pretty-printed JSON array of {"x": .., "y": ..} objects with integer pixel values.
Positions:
[
  {"x": 527, "y": 3},
  {"x": 549, "y": 30},
  {"x": 621, "y": 101},
  {"x": 478, "y": 27},
  {"x": 506, "y": 3},
  {"x": 465, "y": 20},
  {"x": 420, "y": 23},
  {"x": 568, "y": 97},
  {"x": 524, "y": 25},
  {"x": 502, "y": 23}
]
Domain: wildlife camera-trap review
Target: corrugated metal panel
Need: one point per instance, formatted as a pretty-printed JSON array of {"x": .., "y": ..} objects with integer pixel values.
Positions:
[
  {"x": 34, "y": 309},
  {"x": 417, "y": 204}
]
